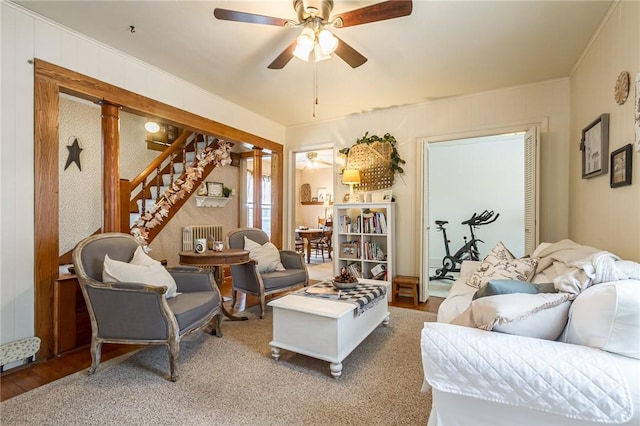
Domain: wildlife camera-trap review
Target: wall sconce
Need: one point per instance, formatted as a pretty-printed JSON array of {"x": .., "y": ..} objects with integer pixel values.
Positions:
[
  {"x": 151, "y": 126},
  {"x": 351, "y": 177}
]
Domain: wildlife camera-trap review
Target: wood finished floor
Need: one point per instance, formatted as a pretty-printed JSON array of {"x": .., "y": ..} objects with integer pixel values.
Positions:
[{"x": 30, "y": 376}]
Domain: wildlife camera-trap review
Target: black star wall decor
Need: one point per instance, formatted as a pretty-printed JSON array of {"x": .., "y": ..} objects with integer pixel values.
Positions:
[{"x": 74, "y": 154}]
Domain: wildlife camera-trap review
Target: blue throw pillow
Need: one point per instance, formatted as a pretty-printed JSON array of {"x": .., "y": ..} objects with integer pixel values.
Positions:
[{"x": 496, "y": 287}]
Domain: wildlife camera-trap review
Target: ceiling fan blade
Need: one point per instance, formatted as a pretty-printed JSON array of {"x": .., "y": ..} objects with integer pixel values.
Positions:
[
  {"x": 348, "y": 54},
  {"x": 376, "y": 12},
  {"x": 251, "y": 18},
  {"x": 283, "y": 58}
]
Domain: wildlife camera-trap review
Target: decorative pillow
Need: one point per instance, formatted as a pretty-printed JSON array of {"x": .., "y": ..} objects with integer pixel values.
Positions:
[
  {"x": 500, "y": 264},
  {"x": 542, "y": 315},
  {"x": 149, "y": 272},
  {"x": 607, "y": 316},
  {"x": 495, "y": 287},
  {"x": 267, "y": 255}
]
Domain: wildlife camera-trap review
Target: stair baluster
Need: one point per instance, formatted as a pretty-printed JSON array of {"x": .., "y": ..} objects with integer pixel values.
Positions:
[
  {"x": 143, "y": 209},
  {"x": 158, "y": 183}
]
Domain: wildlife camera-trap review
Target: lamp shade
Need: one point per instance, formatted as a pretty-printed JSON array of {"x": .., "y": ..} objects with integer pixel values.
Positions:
[{"x": 351, "y": 176}]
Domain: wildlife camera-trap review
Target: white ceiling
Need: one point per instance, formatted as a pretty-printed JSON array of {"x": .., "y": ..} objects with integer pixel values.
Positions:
[{"x": 443, "y": 49}]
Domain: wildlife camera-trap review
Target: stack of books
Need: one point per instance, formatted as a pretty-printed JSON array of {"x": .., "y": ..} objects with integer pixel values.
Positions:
[{"x": 328, "y": 292}]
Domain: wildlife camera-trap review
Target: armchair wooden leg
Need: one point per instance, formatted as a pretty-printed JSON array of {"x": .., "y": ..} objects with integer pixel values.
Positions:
[
  {"x": 216, "y": 330},
  {"x": 96, "y": 350},
  {"x": 174, "y": 352},
  {"x": 234, "y": 297},
  {"x": 263, "y": 304}
]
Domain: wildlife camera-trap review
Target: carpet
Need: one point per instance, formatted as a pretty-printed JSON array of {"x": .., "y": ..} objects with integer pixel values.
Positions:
[{"x": 234, "y": 381}]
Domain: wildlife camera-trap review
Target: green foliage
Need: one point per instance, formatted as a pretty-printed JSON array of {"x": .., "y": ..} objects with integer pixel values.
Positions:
[{"x": 396, "y": 161}]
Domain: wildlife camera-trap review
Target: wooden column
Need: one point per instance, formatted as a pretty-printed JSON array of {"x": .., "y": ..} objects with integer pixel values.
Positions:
[
  {"x": 257, "y": 187},
  {"x": 110, "y": 167},
  {"x": 276, "y": 198}
]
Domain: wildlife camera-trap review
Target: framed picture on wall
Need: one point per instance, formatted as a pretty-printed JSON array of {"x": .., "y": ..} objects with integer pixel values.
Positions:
[
  {"x": 322, "y": 193},
  {"x": 215, "y": 189},
  {"x": 595, "y": 147},
  {"x": 621, "y": 167}
]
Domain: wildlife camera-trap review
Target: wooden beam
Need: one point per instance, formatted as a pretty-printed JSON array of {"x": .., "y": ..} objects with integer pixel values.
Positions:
[
  {"x": 85, "y": 87},
  {"x": 46, "y": 210}
]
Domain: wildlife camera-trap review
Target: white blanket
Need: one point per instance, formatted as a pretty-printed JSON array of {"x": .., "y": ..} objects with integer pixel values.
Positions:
[{"x": 574, "y": 267}]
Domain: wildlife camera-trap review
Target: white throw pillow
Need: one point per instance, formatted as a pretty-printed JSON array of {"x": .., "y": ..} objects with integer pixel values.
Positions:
[
  {"x": 150, "y": 272},
  {"x": 607, "y": 316},
  {"x": 267, "y": 255},
  {"x": 542, "y": 315},
  {"x": 501, "y": 264}
]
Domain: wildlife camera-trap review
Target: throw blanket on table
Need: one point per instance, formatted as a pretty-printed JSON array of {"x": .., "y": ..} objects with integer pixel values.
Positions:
[
  {"x": 364, "y": 296},
  {"x": 574, "y": 267}
]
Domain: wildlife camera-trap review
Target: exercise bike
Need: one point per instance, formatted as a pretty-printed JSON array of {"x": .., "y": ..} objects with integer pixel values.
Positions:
[{"x": 469, "y": 251}]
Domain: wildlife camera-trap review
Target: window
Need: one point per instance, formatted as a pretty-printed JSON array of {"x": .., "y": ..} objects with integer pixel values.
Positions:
[{"x": 265, "y": 204}]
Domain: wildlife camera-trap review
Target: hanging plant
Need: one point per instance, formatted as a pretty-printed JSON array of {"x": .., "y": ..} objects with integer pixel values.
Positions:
[{"x": 396, "y": 162}]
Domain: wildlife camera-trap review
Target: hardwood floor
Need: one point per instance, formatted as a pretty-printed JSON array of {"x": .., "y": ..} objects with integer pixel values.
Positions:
[{"x": 30, "y": 376}]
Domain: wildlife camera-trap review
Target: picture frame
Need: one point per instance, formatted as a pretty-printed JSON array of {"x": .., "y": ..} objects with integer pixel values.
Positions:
[
  {"x": 621, "y": 166},
  {"x": 387, "y": 196},
  {"x": 322, "y": 193},
  {"x": 215, "y": 189},
  {"x": 595, "y": 147}
]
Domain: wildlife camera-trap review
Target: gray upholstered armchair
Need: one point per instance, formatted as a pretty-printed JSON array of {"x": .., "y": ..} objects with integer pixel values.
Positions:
[
  {"x": 248, "y": 279},
  {"x": 136, "y": 313}
]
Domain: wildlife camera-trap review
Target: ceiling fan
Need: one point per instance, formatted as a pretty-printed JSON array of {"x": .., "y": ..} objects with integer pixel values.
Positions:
[
  {"x": 313, "y": 161},
  {"x": 314, "y": 19}
]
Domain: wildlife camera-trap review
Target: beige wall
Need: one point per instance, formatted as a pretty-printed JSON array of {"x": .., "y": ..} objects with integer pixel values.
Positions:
[
  {"x": 317, "y": 178},
  {"x": 482, "y": 113},
  {"x": 600, "y": 216}
]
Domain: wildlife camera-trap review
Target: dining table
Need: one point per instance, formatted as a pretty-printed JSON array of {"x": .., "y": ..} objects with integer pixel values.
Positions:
[{"x": 307, "y": 235}]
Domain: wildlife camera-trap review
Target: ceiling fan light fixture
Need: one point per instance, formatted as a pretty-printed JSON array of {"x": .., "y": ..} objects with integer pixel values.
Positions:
[
  {"x": 304, "y": 44},
  {"x": 319, "y": 55},
  {"x": 327, "y": 41}
]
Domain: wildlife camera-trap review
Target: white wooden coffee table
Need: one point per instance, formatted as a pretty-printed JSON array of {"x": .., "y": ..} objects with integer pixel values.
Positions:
[{"x": 324, "y": 328}]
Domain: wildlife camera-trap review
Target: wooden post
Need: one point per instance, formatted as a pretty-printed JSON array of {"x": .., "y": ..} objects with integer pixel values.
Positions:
[
  {"x": 257, "y": 187},
  {"x": 111, "y": 209}
]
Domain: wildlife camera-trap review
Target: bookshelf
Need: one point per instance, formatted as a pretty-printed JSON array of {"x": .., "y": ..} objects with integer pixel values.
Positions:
[{"x": 365, "y": 239}]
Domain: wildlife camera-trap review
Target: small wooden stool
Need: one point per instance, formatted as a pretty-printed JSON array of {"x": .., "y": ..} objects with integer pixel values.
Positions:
[{"x": 410, "y": 286}]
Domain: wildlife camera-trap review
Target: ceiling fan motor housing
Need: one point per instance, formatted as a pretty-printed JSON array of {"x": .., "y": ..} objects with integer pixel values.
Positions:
[{"x": 313, "y": 9}]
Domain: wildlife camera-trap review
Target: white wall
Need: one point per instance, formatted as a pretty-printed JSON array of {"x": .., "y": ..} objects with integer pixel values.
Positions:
[
  {"x": 25, "y": 36},
  {"x": 600, "y": 216},
  {"x": 480, "y": 112}
]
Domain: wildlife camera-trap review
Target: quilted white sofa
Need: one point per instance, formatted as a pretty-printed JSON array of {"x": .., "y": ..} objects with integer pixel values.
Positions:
[{"x": 566, "y": 358}]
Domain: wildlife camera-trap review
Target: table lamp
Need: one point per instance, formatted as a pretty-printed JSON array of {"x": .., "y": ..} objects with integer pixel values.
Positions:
[
  {"x": 351, "y": 177},
  {"x": 326, "y": 204}
]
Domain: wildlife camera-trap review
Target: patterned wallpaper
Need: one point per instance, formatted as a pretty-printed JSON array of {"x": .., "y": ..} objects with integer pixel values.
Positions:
[{"x": 79, "y": 193}]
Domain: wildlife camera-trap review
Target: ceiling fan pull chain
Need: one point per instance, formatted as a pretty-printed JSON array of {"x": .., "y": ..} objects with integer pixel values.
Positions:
[{"x": 315, "y": 88}]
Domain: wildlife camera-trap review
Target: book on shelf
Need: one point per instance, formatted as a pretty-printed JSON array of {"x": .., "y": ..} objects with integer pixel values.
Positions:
[
  {"x": 355, "y": 270},
  {"x": 329, "y": 292}
]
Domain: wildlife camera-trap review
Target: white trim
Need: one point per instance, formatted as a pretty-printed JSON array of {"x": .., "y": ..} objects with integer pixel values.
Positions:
[
  {"x": 422, "y": 224},
  {"x": 288, "y": 222}
]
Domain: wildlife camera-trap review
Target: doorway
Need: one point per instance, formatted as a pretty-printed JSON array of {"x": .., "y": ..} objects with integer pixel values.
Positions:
[
  {"x": 312, "y": 186},
  {"x": 473, "y": 174}
]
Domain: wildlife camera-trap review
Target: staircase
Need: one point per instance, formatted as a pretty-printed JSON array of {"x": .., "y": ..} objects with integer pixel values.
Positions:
[{"x": 158, "y": 192}]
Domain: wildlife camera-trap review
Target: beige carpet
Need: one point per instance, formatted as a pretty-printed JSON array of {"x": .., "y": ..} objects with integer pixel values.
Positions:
[{"x": 234, "y": 381}]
